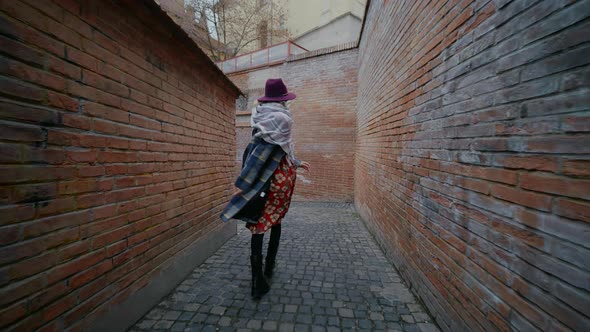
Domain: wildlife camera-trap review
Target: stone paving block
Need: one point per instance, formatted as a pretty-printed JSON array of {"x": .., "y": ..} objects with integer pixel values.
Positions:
[
  {"x": 155, "y": 313},
  {"x": 421, "y": 317},
  {"x": 414, "y": 307},
  {"x": 191, "y": 307},
  {"x": 240, "y": 323},
  {"x": 304, "y": 318},
  {"x": 163, "y": 324},
  {"x": 172, "y": 315},
  {"x": 394, "y": 326},
  {"x": 348, "y": 323},
  {"x": 270, "y": 325},
  {"x": 376, "y": 316},
  {"x": 318, "y": 328},
  {"x": 274, "y": 316},
  {"x": 145, "y": 324},
  {"x": 345, "y": 312},
  {"x": 320, "y": 320},
  {"x": 224, "y": 321},
  {"x": 330, "y": 276},
  {"x": 193, "y": 327},
  {"x": 286, "y": 327},
  {"x": 365, "y": 324},
  {"x": 186, "y": 316},
  {"x": 379, "y": 325},
  {"x": 178, "y": 326},
  {"x": 337, "y": 304},
  {"x": 428, "y": 327},
  {"x": 301, "y": 328},
  {"x": 226, "y": 329},
  {"x": 288, "y": 317},
  {"x": 199, "y": 318},
  {"x": 254, "y": 324},
  {"x": 333, "y": 321},
  {"x": 232, "y": 312},
  {"x": 218, "y": 310}
]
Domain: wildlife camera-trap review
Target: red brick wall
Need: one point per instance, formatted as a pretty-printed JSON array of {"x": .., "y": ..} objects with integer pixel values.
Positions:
[
  {"x": 117, "y": 152},
  {"x": 325, "y": 120},
  {"x": 473, "y": 157}
]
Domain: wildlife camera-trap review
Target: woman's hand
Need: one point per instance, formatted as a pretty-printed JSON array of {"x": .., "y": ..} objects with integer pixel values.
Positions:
[{"x": 305, "y": 165}]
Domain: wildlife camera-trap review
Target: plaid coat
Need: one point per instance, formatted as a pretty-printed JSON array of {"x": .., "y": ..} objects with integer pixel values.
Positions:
[{"x": 260, "y": 161}]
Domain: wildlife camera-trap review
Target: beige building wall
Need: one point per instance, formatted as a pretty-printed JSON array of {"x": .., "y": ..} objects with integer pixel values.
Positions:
[
  {"x": 341, "y": 30},
  {"x": 304, "y": 15}
]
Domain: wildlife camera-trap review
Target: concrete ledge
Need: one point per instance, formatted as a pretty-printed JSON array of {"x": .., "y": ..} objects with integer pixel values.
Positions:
[
  {"x": 124, "y": 315},
  {"x": 323, "y": 51}
]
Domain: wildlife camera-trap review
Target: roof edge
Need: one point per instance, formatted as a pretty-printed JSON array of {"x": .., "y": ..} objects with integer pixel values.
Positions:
[
  {"x": 183, "y": 36},
  {"x": 364, "y": 22}
]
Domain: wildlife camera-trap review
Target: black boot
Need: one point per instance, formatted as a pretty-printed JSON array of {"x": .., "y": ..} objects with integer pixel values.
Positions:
[
  {"x": 259, "y": 284},
  {"x": 273, "y": 247},
  {"x": 269, "y": 267}
]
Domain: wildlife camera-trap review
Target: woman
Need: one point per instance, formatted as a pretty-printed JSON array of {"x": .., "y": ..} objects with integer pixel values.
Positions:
[{"x": 267, "y": 179}]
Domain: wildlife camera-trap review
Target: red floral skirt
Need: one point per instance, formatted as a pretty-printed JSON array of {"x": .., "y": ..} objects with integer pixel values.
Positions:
[{"x": 279, "y": 198}]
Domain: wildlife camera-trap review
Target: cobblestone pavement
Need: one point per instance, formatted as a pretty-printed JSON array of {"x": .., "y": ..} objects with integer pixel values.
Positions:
[{"x": 330, "y": 276}]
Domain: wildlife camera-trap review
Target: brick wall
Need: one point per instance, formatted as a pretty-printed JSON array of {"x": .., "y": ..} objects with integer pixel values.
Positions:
[
  {"x": 324, "y": 114},
  {"x": 473, "y": 157},
  {"x": 117, "y": 153}
]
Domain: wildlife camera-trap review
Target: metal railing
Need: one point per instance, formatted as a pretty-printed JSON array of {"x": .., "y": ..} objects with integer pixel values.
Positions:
[{"x": 269, "y": 55}]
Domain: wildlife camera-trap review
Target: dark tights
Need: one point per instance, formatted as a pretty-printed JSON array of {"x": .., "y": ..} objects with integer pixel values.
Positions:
[{"x": 258, "y": 239}]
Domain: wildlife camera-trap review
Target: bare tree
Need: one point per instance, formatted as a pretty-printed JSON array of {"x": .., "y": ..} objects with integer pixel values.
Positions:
[{"x": 235, "y": 26}]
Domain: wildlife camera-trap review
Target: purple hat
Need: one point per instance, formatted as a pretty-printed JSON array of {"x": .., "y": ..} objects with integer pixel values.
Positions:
[{"x": 275, "y": 90}]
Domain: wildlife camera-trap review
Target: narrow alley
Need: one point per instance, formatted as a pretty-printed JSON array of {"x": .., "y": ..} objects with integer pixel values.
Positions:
[
  {"x": 459, "y": 129},
  {"x": 331, "y": 276}
]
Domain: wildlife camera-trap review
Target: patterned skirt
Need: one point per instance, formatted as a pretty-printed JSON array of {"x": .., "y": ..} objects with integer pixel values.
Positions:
[{"x": 279, "y": 198}]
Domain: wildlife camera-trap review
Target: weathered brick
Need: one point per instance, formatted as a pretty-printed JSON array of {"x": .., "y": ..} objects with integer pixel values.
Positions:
[
  {"x": 76, "y": 121},
  {"x": 56, "y": 206},
  {"x": 556, "y": 185},
  {"x": 15, "y": 213},
  {"x": 90, "y": 274},
  {"x": 49, "y": 224},
  {"x": 81, "y": 107},
  {"x": 28, "y": 34},
  {"x": 60, "y": 306},
  {"x": 576, "y": 167},
  {"x": 13, "y": 312},
  {"x": 521, "y": 68},
  {"x": 62, "y": 101},
  {"x": 20, "y": 132},
  {"x": 30, "y": 193},
  {"x": 27, "y": 113},
  {"x": 20, "y": 289},
  {"x": 527, "y": 162},
  {"x": 578, "y": 210}
]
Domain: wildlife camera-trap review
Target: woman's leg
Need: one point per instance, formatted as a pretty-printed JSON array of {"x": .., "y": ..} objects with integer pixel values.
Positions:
[
  {"x": 259, "y": 284},
  {"x": 273, "y": 247},
  {"x": 256, "y": 244}
]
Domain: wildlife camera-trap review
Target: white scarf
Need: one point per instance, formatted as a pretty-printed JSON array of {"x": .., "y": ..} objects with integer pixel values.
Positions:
[{"x": 274, "y": 122}]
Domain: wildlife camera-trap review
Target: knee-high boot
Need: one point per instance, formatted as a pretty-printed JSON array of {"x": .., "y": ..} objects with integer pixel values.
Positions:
[
  {"x": 259, "y": 284},
  {"x": 273, "y": 247}
]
